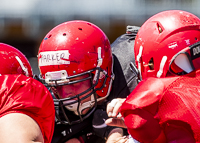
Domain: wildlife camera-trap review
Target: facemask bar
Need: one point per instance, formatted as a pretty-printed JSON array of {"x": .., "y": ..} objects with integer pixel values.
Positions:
[
  {"x": 57, "y": 82},
  {"x": 185, "y": 58},
  {"x": 60, "y": 102},
  {"x": 62, "y": 106},
  {"x": 183, "y": 61}
]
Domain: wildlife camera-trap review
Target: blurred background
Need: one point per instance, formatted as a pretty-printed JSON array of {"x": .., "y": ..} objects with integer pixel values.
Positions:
[{"x": 24, "y": 23}]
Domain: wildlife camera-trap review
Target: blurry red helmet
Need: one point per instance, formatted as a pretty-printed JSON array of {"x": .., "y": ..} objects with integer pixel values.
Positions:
[
  {"x": 13, "y": 61},
  {"x": 160, "y": 38},
  {"x": 73, "y": 49}
]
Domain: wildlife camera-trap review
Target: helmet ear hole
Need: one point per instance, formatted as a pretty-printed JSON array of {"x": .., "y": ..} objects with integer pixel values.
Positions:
[{"x": 151, "y": 64}]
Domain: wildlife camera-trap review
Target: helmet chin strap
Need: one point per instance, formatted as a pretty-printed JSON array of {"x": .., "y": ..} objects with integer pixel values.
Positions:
[{"x": 82, "y": 106}]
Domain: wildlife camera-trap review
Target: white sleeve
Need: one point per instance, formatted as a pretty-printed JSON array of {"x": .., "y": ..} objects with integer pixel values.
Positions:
[{"x": 131, "y": 140}]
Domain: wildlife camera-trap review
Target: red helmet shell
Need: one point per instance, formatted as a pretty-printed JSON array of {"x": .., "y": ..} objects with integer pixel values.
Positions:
[
  {"x": 73, "y": 46},
  {"x": 13, "y": 61},
  {"x": 165, "y": 34}
]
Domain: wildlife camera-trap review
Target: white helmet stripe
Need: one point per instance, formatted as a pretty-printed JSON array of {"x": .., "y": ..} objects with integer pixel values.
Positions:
[
  {"x": 22, "y": 65},
  {"x": 162, "y": 64},
  {"x": 139, "y": 61}
]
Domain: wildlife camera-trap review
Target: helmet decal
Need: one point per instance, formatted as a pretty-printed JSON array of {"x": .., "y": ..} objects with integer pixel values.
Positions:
[
  {"x": 187, "y": 41},
  {"x": 173, "y": 45},
  {"x": 54, "y": 58}
]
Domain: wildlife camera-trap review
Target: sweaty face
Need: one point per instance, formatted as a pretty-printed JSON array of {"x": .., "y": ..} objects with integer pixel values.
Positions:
[{"x": 72, "y": 90}]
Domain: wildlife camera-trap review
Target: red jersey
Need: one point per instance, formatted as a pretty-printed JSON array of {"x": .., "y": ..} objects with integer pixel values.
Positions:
[
  {"x": 164, "y": 103},
  {"x": 21, "y": 94}
]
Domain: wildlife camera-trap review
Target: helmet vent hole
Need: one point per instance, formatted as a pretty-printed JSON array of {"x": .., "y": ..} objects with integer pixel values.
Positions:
[
  {"x": 159, "y": 28},
  {"x": 151, "y": 64},
  {"x": 89, "y": 24},
  {"x": 80, "y": 29},
  {"x": 64, "y": 34},
  {"x": 49, "y": 36},
  {"x": 196, "y": 38}
]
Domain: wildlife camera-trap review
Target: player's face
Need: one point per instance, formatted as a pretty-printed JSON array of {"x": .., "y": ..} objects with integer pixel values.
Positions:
[{"x": 75, "y": 89}]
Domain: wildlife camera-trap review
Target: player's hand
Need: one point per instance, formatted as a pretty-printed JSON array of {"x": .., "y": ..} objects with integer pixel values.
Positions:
[
  {"x": 119, "y": 140},
  {"x": 73, "y": 140},
  {"x": 119, "y": 122},
  {"x": 114, "y": 106},
  {"x": 113, "y": 112},
  {"x": 124, "y": 139}
]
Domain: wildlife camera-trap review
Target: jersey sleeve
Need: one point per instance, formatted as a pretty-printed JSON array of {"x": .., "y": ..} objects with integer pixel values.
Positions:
[
  {"x": 20, "y": 94},
  {"x": 140, "y": 108}
]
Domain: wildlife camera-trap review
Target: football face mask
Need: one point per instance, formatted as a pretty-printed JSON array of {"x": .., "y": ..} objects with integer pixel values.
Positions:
[
  {"x": 75, "y": 54},
  {"x": 186, "y": 60}
]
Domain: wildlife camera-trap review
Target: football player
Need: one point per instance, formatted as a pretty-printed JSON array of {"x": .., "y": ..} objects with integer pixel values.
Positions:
[
  {"x": 26, "y": 106},
  {"x": 164, "y": 107},
  {"x": 76, "y": 63}
]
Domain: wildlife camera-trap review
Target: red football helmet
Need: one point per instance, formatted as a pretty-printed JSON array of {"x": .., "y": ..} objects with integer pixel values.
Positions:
[
  {"x": 160, "y": 38},
  {"x": 13, "y": 61},
  {"x": 73, "y": 49}
]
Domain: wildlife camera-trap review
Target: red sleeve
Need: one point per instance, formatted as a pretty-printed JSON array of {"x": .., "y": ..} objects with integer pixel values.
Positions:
[
  {"x": 140, "y": 108},
  {"x": 25, "y": 95}
]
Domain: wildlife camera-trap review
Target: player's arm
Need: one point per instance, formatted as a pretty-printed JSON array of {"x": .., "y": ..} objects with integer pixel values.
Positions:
[
  {"x": 139, "y": 111},
  {"x": 115, "y": 118},
  {"x": 19, "y": 128},
  {"x": 115, "y": 135}
]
